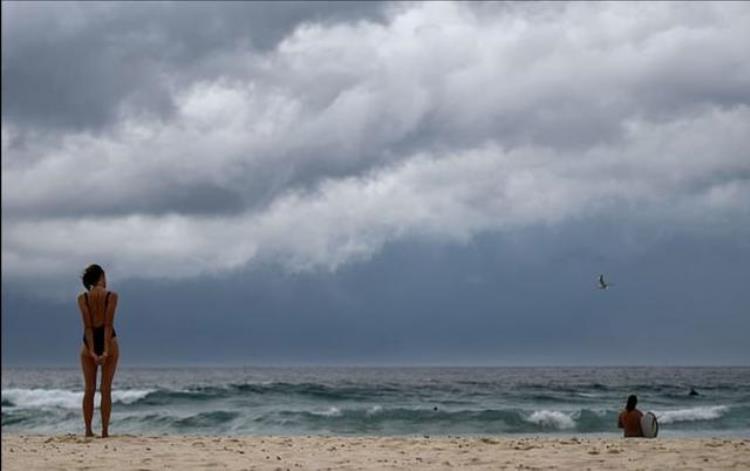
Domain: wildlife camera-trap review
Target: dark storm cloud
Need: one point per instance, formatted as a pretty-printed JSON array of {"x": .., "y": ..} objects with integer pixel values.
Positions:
[
  {"x": 526, "y": 298},
  {"x": 222, "y": 130},
  {"x": 76, "y": 65},
  {"x": 434, "y": 182}
]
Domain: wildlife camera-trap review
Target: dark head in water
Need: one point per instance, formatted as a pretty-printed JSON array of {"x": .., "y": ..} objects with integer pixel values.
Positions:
[
  {"x": 693, "y": 392},
  {"x": 632, "y": 401}
]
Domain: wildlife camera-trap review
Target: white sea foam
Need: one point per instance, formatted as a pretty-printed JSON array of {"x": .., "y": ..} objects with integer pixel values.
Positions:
[
  {"x": 129, "y": 396},
  {"x": 690, "y": 415},
  {"x": 41, "y": 398},
  {"x": 374, "y": 409},
  {"x": 551, "y": 418},
  {"x": 331, "y": 411},
  {"x": 588, "y": 395}
]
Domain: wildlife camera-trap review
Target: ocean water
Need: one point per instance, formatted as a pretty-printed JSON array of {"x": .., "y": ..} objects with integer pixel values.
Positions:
[{"x": 383, "y": 401}]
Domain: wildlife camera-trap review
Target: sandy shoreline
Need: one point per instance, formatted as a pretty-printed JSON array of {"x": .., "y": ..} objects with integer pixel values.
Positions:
[{"x": 31, "y": 452}]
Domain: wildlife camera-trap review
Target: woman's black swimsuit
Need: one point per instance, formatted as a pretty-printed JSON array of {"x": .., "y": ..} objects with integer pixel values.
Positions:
[{"x": 98, "y": 331}]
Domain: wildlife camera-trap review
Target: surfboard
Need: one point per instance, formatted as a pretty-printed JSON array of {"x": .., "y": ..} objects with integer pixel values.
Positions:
[{"x": 649, "y": 425}]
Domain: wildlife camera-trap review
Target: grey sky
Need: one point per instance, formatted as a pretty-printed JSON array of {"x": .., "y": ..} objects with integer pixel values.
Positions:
[{"x": 310, "y": 149}]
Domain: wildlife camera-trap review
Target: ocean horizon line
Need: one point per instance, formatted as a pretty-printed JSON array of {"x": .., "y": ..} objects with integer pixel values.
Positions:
[{"x": 231, "y": 365}]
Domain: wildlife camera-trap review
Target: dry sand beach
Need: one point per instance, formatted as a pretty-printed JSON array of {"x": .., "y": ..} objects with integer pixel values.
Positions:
[{"x": 24, "y": 452}]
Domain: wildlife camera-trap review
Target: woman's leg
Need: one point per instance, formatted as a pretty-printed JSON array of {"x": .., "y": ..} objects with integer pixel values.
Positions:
[
  {"x": 88, "y": 367},
  {"x": 108, "y": 374}
]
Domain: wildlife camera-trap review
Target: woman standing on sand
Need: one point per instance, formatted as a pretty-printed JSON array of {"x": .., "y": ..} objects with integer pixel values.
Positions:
[{"x": 99, "y": 348}]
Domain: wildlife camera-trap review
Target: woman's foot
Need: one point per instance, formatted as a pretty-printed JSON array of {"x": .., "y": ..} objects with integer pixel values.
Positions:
[
  {"x": 105, "y": 434},
  {"x": 89, "y": 433}
]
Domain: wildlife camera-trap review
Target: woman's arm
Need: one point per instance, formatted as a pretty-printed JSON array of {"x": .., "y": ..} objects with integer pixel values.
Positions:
[
  {"x": 109, "y": 318},
  {"x": 88, "y": 331}
]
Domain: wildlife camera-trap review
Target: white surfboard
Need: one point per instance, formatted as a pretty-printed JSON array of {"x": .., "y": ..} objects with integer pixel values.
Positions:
[{"x": 649, "y": 425}]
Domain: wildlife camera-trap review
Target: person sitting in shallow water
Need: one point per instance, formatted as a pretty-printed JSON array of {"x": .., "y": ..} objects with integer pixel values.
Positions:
[{"x": 630, "y": 418}]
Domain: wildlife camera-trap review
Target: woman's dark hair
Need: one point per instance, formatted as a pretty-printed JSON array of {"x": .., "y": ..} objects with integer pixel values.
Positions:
[
  {"x": 632, "y": 401},
  {"x": 91, "y": 275}
]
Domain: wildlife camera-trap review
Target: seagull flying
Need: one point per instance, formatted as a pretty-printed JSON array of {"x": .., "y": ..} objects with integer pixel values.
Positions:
[{"x": 603, "y": 284}]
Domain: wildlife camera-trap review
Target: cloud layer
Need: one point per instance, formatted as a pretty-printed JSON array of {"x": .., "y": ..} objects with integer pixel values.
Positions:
[{"x": 319, "y": 138}]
